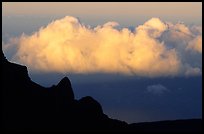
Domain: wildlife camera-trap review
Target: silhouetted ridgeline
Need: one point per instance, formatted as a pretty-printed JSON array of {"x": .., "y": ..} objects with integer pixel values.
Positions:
[{"x": 28, "y": 106}]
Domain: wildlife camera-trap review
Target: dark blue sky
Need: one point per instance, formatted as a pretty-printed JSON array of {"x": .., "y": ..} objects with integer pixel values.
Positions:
[{"x": 127, "y": 98}]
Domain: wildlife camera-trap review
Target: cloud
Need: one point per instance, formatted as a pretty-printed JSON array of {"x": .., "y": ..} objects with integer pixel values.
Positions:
[
  {"x": 157, "y": 89},
  {"x": 10, "y": 47},
  {"x": 190, "y": 71},
  {"x": 68, "y": 46},
  {"x": 195, "y": 44}
]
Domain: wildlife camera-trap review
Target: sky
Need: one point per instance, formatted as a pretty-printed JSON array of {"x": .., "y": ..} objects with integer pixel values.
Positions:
[
  {"x": 137, "y": 59},
  {"x": 123, "y": 12}
]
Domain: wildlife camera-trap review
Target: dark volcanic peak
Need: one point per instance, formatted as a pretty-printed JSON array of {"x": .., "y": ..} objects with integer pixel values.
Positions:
[
  {"x": 65, "y": 81},
  {"x": 27, "y": 106},
  {"x": 64, "y": 88},
  {"x": 90, "y": 106}
]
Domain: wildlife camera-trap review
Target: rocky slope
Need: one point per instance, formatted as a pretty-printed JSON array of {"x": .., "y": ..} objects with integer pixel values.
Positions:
[{"x": 27, "y": 106}]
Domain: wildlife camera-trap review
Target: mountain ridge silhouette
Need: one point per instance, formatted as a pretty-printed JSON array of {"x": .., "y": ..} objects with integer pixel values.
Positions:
[{"x": 27, "y": 106}]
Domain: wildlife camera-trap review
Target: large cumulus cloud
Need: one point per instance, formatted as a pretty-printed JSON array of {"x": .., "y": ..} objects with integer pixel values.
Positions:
[{"x": 155, "y": 48}]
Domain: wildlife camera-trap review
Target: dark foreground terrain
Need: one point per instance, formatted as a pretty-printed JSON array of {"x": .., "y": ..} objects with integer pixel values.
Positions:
[{"x": 27, "y": 106}]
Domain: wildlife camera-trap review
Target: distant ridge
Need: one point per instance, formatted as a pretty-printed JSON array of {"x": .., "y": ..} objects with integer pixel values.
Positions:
[{"x": 27, "y": 106}]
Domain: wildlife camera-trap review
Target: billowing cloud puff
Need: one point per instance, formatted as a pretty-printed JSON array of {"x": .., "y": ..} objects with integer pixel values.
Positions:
[
  {"x": 155, "y": 27},
  {"x": 195, "y": 44},
  {"x": 66, "y": 45},
  {"x": 157, "y": 89},
  {"x": 190, "y": 71}
]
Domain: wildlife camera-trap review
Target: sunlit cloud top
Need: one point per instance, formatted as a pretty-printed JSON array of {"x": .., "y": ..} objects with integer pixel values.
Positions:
[{"x": 155, "y": 48}]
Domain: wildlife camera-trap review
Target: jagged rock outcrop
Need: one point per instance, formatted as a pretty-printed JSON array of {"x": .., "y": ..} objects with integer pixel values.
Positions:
[
  {"x": 27, "y": 106},
  {"x": 64, "y": 89},
  {"x": 90, "y": 106}
]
